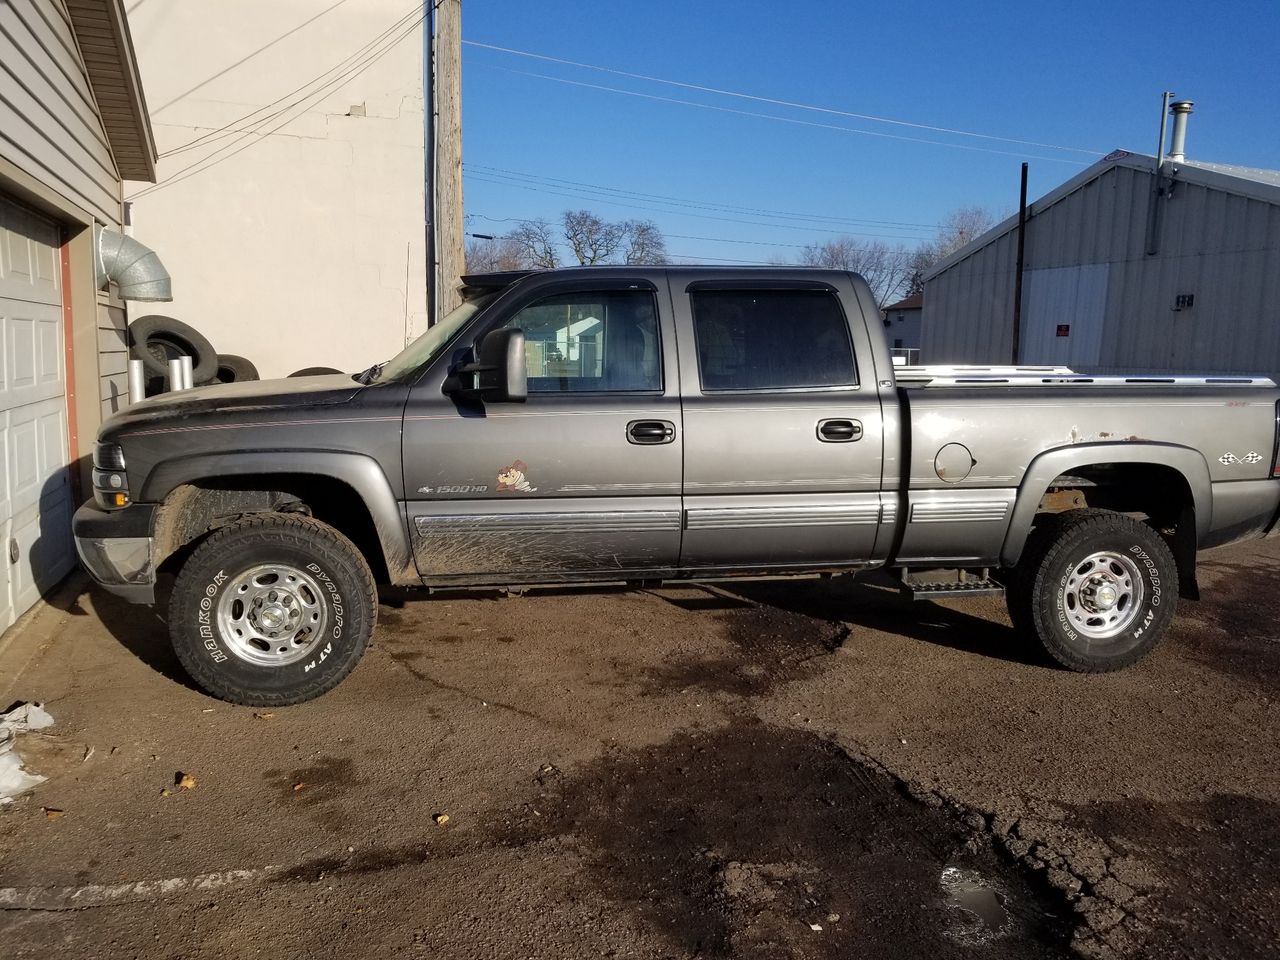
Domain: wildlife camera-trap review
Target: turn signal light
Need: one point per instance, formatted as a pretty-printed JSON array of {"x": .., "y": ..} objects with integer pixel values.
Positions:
[{"x": 119, "y": 499}]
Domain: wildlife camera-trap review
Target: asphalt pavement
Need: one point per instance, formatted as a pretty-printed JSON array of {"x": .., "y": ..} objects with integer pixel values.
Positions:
[{"x": 807, "y": 769}]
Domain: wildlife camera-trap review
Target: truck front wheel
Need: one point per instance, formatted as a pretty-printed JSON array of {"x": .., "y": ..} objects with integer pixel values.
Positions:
[
  {"x": 272, "y": 610},
  {"x": 1098, "y": 588}
]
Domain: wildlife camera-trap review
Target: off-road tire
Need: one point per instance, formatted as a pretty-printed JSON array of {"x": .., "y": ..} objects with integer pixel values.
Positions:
[
  {"x": 332, "y": 562},
  {"x": 1037, "y": 591}
]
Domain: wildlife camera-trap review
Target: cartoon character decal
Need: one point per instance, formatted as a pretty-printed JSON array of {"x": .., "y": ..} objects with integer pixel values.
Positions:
[{"x": 513, "y": 478}]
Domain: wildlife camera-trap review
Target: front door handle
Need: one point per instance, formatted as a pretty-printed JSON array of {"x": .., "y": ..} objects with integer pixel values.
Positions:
[
  {"x": 651, "y": 431},
  {"x": 839, "y": 431}
]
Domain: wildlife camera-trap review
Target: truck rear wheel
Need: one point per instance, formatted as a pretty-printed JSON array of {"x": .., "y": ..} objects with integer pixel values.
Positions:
[
  {"x": 1098, "y": 588},
  {"x": 272, "y": 610}
]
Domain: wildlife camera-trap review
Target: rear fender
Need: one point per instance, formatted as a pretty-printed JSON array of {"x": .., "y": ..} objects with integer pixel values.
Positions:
[{"x": 1047, "y": 467}]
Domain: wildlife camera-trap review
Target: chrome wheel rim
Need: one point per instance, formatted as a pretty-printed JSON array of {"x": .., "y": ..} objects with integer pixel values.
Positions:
[
  {"x": 1102, "y": 595},
  {"x": 272, "y": 615}
]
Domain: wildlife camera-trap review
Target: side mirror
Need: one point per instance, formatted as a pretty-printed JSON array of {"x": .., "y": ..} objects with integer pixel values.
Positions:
[{"x": 497, "y": 374}]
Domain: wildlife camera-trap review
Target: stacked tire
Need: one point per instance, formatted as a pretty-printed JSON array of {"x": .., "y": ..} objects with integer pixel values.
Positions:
[{"x": 156, "y": 339}]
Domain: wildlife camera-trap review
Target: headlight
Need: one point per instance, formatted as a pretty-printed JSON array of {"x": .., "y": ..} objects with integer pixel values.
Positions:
[
  {"x": 108, "y": 456},
  {"x": 110, "y": 484}
]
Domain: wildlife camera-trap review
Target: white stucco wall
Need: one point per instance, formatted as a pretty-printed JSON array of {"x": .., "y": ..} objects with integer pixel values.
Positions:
[{"x": 295, "y": 239}]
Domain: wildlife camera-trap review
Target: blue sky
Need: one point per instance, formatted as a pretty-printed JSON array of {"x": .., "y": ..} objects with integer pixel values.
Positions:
[{"x": 1084, "y": 75}]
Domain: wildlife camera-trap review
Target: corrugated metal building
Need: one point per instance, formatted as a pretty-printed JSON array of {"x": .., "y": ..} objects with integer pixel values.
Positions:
[{"x": 1104, "y": 289}]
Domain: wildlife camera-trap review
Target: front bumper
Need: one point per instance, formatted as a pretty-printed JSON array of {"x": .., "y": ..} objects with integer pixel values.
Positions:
[{"x": 117, "y": 549}]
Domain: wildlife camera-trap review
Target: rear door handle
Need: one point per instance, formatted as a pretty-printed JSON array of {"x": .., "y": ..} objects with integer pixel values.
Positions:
[
  {"x": 651, "y": 431},
  {"x": 839, "y": 431}
]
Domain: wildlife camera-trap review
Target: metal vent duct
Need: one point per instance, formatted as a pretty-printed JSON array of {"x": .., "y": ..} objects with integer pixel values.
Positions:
[
  {"x": 136, "y": 270},
  {"x": 1181, "y": 111}
]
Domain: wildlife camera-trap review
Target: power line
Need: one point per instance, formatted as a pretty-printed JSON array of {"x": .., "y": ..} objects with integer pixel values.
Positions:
[
  {"x": 771, "y": 116},
  {"x": 774, "y": 101},
  {"x": 209, "y": 161},
  {"x": 244, "y": 59},
  {"x": 488, "y": 178},
  {"x": 229, "y": 128},
  {"x": 728, "y": 208}
]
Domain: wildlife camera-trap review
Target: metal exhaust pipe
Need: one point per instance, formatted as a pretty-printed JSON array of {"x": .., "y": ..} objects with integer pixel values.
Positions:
[
  {"x": 1181, "y": 110},
  {"x": 137, "y": 382}
]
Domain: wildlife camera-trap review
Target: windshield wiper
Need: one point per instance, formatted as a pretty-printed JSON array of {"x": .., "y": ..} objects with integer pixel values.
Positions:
[{"x": 367, "y": 377}]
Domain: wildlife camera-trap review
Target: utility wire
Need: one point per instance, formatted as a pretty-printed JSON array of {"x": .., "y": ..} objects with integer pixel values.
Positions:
[
  {"x": 725, "y": 208},
  {"x": 480, "y": 178},
  {"x": 209, "y": 161},
  {"x": 229, "y": 128},
  {"x": 227, "y": 69},
  {"x": 772, "y": 116},
  {"x": 775, "y": 101}
]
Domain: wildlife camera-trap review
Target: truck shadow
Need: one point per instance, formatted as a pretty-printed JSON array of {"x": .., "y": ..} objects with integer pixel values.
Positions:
[
  {"x": 881, "y": 608},
  {"x": 143, "y": 631}
]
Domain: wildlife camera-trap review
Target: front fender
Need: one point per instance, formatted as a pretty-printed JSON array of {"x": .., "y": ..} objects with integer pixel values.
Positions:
[
  {"x": 1044, "y": 469},
  {"x": 361, "y": 473}
]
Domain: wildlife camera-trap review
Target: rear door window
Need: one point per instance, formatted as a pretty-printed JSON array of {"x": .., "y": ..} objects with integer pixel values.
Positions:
[{"x": 772, "y": 340}]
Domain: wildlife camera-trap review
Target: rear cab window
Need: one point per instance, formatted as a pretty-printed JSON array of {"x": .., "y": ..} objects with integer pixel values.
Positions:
[{"x": 752, "y": 340}]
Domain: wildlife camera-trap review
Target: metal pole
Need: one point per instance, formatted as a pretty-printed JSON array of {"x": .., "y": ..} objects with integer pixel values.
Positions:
[
  {"x": 429, "y": 76},
  {"x": 1164, "y": 119},
  {"x": 175, "y": 374},
  {"x": 1020, "y": 268},
  {"x": 184, "y": 365},
  {"x": 1157, "y": 183},
  {"x": 137, "y": 382}
]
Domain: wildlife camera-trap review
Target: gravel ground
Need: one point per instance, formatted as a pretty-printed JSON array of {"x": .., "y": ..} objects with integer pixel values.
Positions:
[{"x": 810, "y": 769}]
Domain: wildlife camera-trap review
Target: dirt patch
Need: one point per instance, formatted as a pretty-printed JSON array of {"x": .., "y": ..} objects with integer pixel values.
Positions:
[
  {"x": 1240, "y": 621},
  {"x": 767, "y": 646},
  {"x": 758, "y": 841},
  {"x": 1206, "y": 870}
]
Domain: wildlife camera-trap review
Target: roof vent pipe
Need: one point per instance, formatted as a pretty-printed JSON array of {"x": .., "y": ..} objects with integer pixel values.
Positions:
[
  {"x": 1180, "y": 109},
  {"x": 136, "y": 270}
]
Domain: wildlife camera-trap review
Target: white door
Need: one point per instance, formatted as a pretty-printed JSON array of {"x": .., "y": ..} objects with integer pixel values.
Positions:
[
  {"x": 35, "y": 497},
  {"x": 1063, "y": 309}
]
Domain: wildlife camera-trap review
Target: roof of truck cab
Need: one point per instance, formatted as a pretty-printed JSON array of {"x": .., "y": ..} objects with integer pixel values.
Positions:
[{"x": 498, "y": 280}]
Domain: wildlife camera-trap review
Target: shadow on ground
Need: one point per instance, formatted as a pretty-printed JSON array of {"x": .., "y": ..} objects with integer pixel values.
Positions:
[
  {"x": 877, "y": 607},
  {"x": 757, "y": 842}
]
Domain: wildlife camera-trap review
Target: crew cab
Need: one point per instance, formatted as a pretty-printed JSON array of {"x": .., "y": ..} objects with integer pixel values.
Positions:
[{"x": 642, "y": 424}]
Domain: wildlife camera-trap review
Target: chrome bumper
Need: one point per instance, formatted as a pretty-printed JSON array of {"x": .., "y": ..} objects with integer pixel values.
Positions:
[{"x": 116, "y": 548}]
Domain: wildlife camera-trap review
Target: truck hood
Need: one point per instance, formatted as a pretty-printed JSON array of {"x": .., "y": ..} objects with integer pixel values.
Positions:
[{"x": 236, "y": 398}]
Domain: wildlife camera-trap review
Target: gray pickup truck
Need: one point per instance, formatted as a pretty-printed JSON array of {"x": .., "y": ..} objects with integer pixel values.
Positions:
[{"x": 639, "y": 424}]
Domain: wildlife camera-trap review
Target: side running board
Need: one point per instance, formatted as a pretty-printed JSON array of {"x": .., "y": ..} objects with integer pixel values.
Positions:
[{"x": 937, "y": 584}]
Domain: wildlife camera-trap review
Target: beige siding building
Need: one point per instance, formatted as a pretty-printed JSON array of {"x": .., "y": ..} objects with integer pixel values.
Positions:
[
  {"x": 73, "y": 124},
  {"x": 290, "y": 194},
  {"x": 1108, "y": 288}
]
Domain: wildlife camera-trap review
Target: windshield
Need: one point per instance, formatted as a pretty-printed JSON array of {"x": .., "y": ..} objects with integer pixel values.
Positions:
[{"x": 429, "y": 346}]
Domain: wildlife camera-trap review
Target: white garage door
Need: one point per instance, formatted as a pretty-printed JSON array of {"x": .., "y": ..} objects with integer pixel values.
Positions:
[{"x": 35, "y": 497}]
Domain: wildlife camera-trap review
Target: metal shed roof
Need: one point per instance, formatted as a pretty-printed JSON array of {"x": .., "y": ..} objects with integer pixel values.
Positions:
[{"x": 1252, "y": 182}]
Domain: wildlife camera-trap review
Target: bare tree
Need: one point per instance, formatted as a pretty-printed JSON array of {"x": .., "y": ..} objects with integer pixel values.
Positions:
[
  {"x": 499, "y": 253},
  {"x": 956, "y": 229},
  {"x": 536, "y": 245},
  {"x": 591, "y": 239},
  {"x": 886, "y": 268},
  {"x": 644, "y": 243}
]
